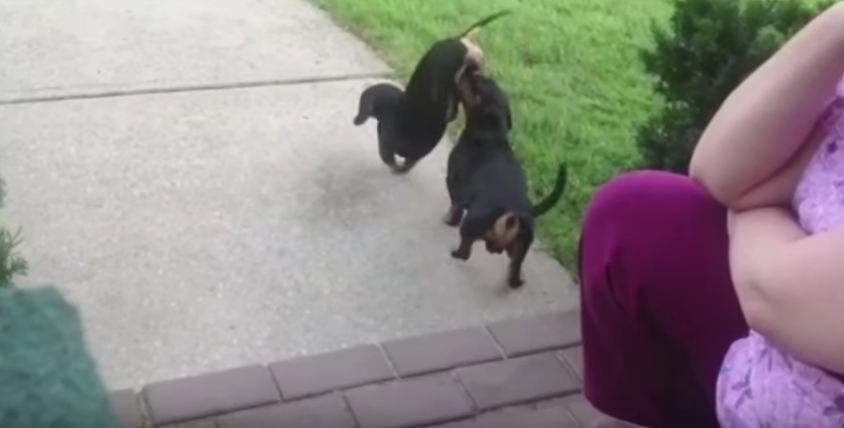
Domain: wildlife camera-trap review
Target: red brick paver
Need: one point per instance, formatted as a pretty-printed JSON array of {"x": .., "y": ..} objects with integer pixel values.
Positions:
[
  {"x": 516, "y": 381},
  {"x": 574, "y": 358},
  {"x": 328, "y": 411},
  {"x": 211, "y": 394},
  {"x": 126, "y": 407},
  {"x": 318, "y": 374},
  {"x": 441, "y": 351},
  {"x": 542, "y": 333},
  {"x": 547, "y": 417},
  {"x": 412, "y": 403}
]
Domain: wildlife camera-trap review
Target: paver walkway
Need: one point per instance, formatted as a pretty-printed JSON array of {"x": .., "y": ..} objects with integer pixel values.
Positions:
[
  {"x": 523, "y": 373},
  {"x": 187, "y": 173}
]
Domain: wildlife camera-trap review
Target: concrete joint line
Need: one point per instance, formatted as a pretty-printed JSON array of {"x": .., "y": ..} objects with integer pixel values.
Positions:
[{"x": 191, "y": 88}]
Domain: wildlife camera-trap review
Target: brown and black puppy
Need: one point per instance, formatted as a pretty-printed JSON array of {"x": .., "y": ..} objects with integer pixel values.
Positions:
[
  {"x": 413, "y": 121},
  {"x": 486, "y": 181}
]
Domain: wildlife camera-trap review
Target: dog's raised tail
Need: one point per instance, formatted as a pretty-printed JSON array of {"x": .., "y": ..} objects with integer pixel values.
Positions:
[
  {"x": 483, "y": 22},
  {"x": 549, "y": 201}
]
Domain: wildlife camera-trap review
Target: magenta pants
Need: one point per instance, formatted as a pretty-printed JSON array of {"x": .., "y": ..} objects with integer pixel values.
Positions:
[{"x": 658, "y": 306}]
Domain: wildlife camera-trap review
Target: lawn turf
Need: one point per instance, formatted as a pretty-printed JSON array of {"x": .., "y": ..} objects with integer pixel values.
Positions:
[{"x": 571, "y": 69}]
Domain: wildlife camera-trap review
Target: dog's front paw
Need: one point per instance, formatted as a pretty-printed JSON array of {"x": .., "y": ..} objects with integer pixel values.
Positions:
[
  {"x": 460, "y": 255},
  {"x": 515, "y": 282}
]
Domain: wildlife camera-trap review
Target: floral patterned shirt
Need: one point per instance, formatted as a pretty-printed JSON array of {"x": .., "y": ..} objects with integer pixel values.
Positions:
[{"x": 760, "y": 385}]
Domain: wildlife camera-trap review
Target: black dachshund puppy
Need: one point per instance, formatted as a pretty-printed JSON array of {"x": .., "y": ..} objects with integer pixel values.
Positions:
[
  {"x": 486, "y": 182},
  {"x": 413, "y": 121}
]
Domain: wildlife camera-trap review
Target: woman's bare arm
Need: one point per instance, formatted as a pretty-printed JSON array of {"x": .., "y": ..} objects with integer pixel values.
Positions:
[
  {"x": 790, "y": 286},
  {"x": 763, "y": 124},
  {"x": 778, "y": 189}
]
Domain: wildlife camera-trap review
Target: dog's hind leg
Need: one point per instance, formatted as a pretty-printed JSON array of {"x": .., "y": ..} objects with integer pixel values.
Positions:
[
  {"x": 453, "y": 216},
  {"x": 471, "y": 229},
  {"x": 385, "y": 150},
  {"x": 517, "y": 252},
  {"x": 464, "y": 251},
  {"x": 455, "y": 211}
]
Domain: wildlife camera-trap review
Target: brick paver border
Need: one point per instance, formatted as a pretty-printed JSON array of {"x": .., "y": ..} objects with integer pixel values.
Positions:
[{"x": 524, "y": 372}]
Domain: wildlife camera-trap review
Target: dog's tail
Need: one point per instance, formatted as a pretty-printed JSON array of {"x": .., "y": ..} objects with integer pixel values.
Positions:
[
  {"x": 546, "y": 204},
  {"x": 483, "y": 22}
]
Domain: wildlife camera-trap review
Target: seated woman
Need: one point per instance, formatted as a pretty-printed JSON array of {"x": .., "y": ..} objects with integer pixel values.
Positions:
[{"x": 676, "y": 269}]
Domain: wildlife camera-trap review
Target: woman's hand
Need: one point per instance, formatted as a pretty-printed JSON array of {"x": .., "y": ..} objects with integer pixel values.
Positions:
[
  {"x": 768, "y": 119},
  {"x": 790, "y": 285}
]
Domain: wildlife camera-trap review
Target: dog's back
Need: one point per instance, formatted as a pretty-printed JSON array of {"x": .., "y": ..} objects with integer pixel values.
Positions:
[
  {"x": 432, "y": 84},
  {"x": 496, "y": 180},
  {"x": 483, "y": 169}
]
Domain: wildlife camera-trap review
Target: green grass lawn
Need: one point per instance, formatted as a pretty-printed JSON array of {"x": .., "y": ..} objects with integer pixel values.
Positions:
[{"x": 572, "y": 71}]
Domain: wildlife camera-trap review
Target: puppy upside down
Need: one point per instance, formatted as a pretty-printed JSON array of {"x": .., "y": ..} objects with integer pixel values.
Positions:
[
  {"x": 413, "y": 121},
  {"x": 486, "y": 183}
]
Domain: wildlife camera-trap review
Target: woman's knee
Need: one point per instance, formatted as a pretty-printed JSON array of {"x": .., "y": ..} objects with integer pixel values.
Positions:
[
  {"x": 640, "y": 221},
  {"x": 643, "y": 197}
]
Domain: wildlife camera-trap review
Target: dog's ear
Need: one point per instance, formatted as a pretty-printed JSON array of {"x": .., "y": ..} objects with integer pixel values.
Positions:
[
  {"x": 474, "y": 57},
  {"x": 451, "y": 114},
  {"x": 467, "y": 92},
  {"x": 365, "y": 108}
]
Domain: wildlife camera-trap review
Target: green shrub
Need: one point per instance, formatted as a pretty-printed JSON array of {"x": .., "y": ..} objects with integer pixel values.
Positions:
[
  {"x": 11, "y": 263},
  {"x": 708, "y": 49}
]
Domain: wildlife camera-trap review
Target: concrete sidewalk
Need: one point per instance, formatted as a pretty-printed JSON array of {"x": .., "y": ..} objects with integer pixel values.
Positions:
[{"x": 187, "y": 172}]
